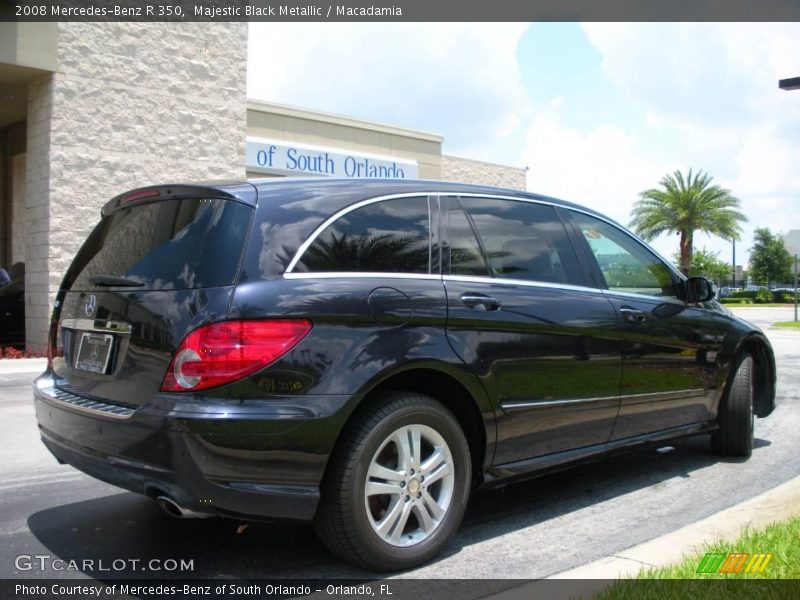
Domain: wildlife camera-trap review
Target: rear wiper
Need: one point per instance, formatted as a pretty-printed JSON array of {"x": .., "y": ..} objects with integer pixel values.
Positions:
[{"x": 114, "y": 281}]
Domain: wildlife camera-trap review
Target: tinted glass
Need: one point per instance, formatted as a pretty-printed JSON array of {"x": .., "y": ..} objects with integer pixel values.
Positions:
[
  {"x": 174, "y": 244},
  {"x": 524, "y": 240},
  {"x": 385, "y": 237},
  {"x": 626, "y": 265},
  {"x": 466, "y": 257}
]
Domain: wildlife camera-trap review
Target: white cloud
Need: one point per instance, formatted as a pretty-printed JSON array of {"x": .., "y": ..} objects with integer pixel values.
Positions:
[
  {"x": 712, "y": 89},
  {"x": 709, "y": 92},
  {"x": 461, "y": 79},
  {"x": 601, "y": 169}
]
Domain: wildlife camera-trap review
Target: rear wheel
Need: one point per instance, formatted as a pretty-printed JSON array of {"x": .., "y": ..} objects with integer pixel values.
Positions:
[
  {"x": 735, "y": 416},
  {"x": 398, "y": 487}
]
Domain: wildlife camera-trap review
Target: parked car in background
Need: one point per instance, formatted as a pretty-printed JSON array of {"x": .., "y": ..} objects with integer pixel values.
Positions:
[
  {"x": 12, "y": 309},
  {"x": 363, "y": 354}
]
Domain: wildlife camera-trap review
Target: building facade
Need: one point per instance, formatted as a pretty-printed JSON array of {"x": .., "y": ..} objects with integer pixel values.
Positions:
[{"x": 88, "y": 110}]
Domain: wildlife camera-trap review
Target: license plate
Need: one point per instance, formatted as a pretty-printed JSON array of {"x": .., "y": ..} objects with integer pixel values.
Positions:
[{"x": 94, "y": 352}]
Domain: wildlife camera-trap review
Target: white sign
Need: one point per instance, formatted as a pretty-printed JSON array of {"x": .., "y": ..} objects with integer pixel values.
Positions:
[
  {"x": 791, "y": 241},
  {"x": 286, "y": 158}
]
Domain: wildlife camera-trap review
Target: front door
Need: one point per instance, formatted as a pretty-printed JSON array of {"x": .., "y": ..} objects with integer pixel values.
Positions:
[
  {"x": 669, "y": 347},
  {"x": 521, "y": 315}
]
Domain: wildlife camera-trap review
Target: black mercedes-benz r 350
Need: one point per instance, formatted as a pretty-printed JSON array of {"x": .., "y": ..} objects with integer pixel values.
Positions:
[{"x": 363, "y": 354}]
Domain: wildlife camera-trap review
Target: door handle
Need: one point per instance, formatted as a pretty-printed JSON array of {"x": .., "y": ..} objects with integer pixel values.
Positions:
[
  {"x": 631, "y": 314},
  {"x": 479, "y": 301}
]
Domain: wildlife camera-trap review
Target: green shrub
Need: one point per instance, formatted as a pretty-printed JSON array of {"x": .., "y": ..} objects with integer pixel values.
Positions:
[
  {"x": 743, "y": 294},
  {"x": 784, "y": 297},
  {"x": 764, "y": 297},
  {"x": 738, "y": 301}
]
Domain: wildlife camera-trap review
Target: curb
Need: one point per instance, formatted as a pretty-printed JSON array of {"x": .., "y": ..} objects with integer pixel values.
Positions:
[{"x": 776, "y": 504}]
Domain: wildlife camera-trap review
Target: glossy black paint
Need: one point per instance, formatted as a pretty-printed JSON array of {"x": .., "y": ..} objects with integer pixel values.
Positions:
[
  {"x": 540, "y": 375},
  {"x": 12, "y": 313}
]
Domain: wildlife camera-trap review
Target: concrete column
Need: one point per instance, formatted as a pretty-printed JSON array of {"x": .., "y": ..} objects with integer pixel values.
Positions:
[{"x": 130, "y": 104}]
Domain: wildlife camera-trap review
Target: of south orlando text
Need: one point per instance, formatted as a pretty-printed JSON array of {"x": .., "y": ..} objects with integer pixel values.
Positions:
[{"x": 310, "y": 10}]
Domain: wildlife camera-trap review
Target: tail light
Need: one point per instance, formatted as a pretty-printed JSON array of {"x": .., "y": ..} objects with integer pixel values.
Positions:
[{"x": 220, "y": 353}]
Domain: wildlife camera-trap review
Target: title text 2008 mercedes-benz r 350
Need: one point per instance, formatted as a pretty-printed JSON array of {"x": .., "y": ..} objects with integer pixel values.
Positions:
[{"x": 363, "y": 354}]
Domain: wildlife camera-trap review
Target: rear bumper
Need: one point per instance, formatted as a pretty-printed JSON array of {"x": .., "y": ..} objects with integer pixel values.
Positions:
[{"x": 262, "y": 462}]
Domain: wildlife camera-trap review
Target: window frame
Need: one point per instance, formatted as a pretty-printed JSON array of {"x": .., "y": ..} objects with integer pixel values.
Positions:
[
  {"x": 449, "y": 198},
  {"x": 434, "y": 246},
  {"x": 439, "y": 258}
]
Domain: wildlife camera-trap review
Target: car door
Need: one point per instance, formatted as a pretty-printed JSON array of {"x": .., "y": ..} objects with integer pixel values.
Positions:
[
  {"x": 669, "y": 346},
  {"x": 523, "y": 317}
]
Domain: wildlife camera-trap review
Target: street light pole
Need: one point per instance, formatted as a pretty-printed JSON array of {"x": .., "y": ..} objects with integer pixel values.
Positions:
[
  {"x": 795, "y": 286},
  {"x": 733, "y": 279},
  {"x": 793, "y": 83}
]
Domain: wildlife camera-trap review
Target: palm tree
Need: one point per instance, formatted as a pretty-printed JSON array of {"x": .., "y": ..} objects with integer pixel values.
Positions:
[{"x": 684, "y": 205}]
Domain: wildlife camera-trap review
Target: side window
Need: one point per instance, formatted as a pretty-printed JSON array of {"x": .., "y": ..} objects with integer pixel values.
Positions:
[
  {"x": 626, "y": 265},
  {"x": 466, "y": 257},
  {"x": 523, "y": 240},
  {"x": 392, "y": 236}
]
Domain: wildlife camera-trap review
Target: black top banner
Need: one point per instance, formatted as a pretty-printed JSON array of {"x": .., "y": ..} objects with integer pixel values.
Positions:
[{"x": 400, "y": 10}]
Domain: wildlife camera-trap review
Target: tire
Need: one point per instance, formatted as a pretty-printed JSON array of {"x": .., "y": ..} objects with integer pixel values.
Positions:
[
  {"x": 735, "y": 416},
  {"x": 405, "y": 520}
]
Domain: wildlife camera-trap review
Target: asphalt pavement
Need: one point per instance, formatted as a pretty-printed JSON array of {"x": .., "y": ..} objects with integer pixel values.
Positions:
[{"x": 526, "y": 530}]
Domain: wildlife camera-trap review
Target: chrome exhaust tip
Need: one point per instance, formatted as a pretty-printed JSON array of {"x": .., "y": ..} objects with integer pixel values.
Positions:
[{"x": 173, "y": 509}]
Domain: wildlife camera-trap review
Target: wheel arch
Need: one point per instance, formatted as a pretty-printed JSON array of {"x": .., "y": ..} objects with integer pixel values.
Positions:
[
  {"x": 764, "y": 373},
  {"x": 465, "y": 400}
]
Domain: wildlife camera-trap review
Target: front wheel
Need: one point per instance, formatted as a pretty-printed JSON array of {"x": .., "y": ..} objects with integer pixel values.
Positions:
[
  {"x": 398, "y": 486},
  {"x": 735, "y": 416}
]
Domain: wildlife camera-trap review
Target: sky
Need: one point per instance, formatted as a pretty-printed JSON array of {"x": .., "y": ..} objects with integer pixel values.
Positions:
[{"x": 597, "y": 112}]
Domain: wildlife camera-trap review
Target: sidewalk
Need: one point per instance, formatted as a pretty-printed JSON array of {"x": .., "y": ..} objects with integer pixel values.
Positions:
[
  {"x": 10, "y": 366},
  {"x": 776, "y": 504}
]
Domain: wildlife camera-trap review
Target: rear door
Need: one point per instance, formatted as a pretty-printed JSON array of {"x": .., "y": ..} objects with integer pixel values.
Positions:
[
  {"x": 540, "y": 336},
  {"x": 669, "y": 347},
  {"x": 160, "y": 263}
]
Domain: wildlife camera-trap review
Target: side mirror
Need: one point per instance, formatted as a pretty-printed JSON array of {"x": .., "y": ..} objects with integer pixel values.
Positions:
[{"x": 700, "y": 289}]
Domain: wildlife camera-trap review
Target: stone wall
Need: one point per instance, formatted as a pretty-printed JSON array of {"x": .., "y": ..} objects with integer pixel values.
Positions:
[
  {"x": 466, "y": 170},
  {"x": 130, "y": 104}
]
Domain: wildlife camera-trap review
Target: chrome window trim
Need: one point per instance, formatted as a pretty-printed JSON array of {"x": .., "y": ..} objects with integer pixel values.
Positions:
[
  {"x": 348, "y": 209},
  {"x": 361, "y": 275},
  {"x": 659, "y": 299},
  {"x": 450, "y": 194},
  {"x": 523, "y": 282}
]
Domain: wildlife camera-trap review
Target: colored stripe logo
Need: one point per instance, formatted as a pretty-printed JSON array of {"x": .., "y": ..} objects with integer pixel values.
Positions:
[{"x": 734, "y": 562}]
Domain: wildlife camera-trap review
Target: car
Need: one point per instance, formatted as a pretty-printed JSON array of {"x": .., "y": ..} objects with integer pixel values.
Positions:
[
  {"x": 12, "y": 310},
  {"x": 363, "y": 354}
]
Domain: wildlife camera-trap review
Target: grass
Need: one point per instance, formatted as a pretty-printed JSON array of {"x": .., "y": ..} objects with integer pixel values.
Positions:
[
  {"x": 782, "y": 539},
  {"x": 789, "y": 324},
  {"x": 766, "y": 305}
]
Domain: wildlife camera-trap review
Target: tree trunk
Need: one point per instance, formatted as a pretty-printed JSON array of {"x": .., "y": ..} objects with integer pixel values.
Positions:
[{"x": 686, "y": 252}]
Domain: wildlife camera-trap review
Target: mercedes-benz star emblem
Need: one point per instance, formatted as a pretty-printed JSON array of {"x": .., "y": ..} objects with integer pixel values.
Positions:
[{"x": 90, "y": 305}]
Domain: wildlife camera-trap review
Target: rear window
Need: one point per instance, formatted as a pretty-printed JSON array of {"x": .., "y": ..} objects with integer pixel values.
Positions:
[{"x": 168, "y": 245}]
